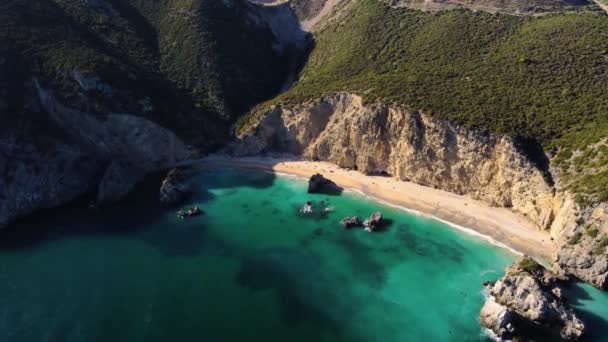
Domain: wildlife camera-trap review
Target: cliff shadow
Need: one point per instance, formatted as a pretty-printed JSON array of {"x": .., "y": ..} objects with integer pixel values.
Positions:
[
  {"x": 139, "y": 215},
  {"x": 596, "y": 324},
  {"x": 535, "y": 153}
]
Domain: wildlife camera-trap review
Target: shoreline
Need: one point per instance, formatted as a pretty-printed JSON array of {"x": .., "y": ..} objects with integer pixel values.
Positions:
[{"x": 498, "y": 226}]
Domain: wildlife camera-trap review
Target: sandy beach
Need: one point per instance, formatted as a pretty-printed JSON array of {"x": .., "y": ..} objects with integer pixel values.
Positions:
[{"x": 500, "y": 224}]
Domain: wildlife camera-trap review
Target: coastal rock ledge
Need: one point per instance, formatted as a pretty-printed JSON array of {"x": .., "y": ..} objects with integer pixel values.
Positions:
[
  {"x": 529, "y": 296},
  {"x": 175, "y": 189}
]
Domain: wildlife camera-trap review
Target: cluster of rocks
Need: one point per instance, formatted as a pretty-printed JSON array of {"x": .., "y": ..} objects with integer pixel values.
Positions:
[
  {"x": 373, "y": 224},
  {"x": 321, "y": 185},
  {"x": 192, "y": 212},
  {"x": 528, "y": 294}
]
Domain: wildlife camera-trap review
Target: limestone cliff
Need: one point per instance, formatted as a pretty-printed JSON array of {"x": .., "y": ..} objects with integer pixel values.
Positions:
[{"x": 412, "y": 146}]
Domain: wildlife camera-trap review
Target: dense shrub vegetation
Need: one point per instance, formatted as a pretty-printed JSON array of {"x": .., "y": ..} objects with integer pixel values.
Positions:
[
  {"x": 193, "y": 60},
  {"x": 542, "y": 79}
]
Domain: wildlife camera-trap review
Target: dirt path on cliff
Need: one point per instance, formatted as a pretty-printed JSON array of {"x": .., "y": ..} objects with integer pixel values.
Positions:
[
  {"x": 307, "y": 25},
  {"x": 502, "y": 225}
]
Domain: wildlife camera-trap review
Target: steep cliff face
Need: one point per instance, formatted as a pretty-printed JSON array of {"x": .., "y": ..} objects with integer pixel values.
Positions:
[
  {"x": 75, "y": 153},
  {"x": 377, "y": 138}
]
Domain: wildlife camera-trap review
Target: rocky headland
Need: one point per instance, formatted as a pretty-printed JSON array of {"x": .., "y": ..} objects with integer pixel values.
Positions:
[{"x": 528, "y": 295}]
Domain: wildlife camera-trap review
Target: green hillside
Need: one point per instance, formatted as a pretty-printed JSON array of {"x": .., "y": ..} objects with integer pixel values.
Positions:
[
  {"x": 542, "y": 80},
  {"x": 195, "y": 62}
]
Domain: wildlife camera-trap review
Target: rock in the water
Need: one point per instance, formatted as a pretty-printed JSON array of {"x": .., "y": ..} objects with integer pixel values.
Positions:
[
  {"x": 528, "y": 291},
  {"x": 320, "y": 184},
  {"x": 175, "y": 188},
  {"x": 192, "y": 212},
  {"x": 497, "y": 318},
  {"x": 374, "y": 223},
  {"x": 350, "y": 222}
]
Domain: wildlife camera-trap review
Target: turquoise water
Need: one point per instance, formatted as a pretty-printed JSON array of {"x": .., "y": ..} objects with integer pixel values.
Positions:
[{"x": 251, "y": 269}]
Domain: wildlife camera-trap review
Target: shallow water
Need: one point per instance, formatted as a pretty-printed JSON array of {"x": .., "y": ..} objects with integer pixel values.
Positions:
[{"x": 252, "y": 269}]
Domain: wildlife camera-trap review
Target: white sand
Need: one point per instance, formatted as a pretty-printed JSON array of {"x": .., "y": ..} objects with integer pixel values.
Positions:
[{"x": 500, "y": 224}]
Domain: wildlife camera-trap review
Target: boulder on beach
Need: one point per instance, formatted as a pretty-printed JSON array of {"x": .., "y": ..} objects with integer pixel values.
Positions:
[
  {"x": 350, "y": 222},
  {"x": 374, "y": 223},
  {"x": 322, "y": 185},
  {"x": 526, "y": 294}
]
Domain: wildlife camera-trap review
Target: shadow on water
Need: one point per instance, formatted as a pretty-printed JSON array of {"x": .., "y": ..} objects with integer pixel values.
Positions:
[
  {"x": 427, "y": 246},
  {"x": 140, "y": 216},
  {"x": 597, "y": 325},
  {"x": 362, "y": 260},
  {"x": 281, "y": 270},
  {"x": 227, "y": 178}
]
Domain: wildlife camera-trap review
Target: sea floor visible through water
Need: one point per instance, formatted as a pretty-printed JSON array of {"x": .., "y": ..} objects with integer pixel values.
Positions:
[{"x": 252, "y": 268}]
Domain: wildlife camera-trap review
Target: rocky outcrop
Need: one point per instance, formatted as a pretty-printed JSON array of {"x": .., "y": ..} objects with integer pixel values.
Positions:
[
  {"x": 175, "y": 189},
  {"x": 351, "y": 222},
  {"x": 498, "y": 318},
  {"x": 584, "y": 246},
  {"x": 528, "y": 291},
  {"x": 374, "y": 223},
  {"x": 317, "y": 184}
]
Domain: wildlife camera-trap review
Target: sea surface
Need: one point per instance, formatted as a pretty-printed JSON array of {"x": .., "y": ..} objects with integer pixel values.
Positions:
[{"x": 251, "y": 269}]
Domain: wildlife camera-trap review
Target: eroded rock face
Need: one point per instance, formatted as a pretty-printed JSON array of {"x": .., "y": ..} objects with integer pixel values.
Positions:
[
  {"x": 584, "y": 245},
  {"x": 175, "y": 189},
  {"x": 79, "y": 152},
  {"x": 528, "y": 290}
]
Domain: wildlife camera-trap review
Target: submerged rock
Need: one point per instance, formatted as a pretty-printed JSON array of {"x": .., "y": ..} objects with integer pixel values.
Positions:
[
  {"x": 527, "y": 291},
  {"x": 350, "y": 222},
  {"x": 320, "y": 184},
  {"x": 175, "y": 189},
  {"x": 374, "y": 223}
]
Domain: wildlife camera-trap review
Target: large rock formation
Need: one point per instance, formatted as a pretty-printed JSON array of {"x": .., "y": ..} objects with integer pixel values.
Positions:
[
  {"x": 412, "y": 146},
  {"x": 175, "y": 189},
  {"x": 584, "y": 246},
  {"x": 317, "y": 184},
  {"x": 528, "y": 291},
  {"x": 374, "y": 222}
]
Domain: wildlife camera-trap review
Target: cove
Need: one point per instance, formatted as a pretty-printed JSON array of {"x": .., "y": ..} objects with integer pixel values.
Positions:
[{"x": 251, "y": 269}]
